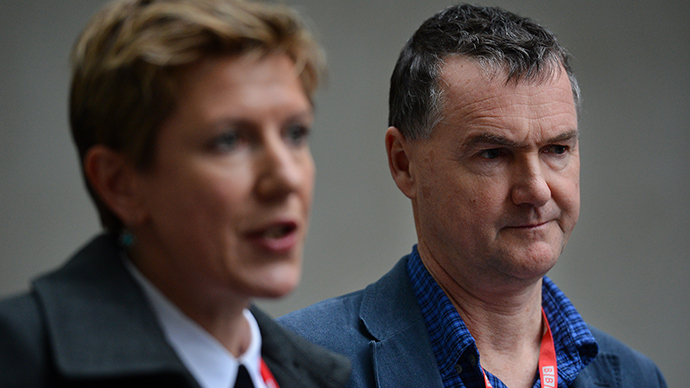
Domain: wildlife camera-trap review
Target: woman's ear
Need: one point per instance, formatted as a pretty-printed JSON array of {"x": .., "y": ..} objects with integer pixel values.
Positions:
[
  {"x": 113, "y": 178},
  {"x": 397, "y": 149}
]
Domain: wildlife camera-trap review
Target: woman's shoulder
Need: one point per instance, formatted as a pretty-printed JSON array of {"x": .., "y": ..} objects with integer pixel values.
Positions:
[
  {"x": 23, "y": 351},
  {"x": 19, "y": 313}
]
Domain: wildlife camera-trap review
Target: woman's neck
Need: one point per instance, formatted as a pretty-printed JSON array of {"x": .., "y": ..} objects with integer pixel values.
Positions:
[{"x": 217, "y": 312}]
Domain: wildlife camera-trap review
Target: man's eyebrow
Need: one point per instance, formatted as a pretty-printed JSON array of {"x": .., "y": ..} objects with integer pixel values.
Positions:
[
  {"x": 497, "y": 140},
  {"x": 488, "y": 138},
  {"x": 570, "y": 135}
]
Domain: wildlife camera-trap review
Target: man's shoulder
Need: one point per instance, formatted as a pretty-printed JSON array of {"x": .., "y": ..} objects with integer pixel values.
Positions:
[
  {"x": 611, "y": 346},
  {"x": 336, "y": 324},
  {"x": 342, "y": 316},
  {"x": 617, "y": 361},
  {"x": 325, "y": 321}
]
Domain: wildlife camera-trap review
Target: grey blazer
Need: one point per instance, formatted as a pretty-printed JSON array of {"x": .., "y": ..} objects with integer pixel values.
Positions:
[
  {"x": 88, "y": 324},
  {"x": 382, "y": 330}
]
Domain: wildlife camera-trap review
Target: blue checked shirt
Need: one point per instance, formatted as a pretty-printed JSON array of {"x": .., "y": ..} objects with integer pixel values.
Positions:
[{"x": 454, "y": 347}]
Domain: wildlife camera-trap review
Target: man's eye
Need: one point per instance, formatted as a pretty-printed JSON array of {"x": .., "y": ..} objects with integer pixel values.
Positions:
[
  {"x": 557, "y": 149},
  {"x": 492, "y": 153},
  {"x": 297, "y": 134}
]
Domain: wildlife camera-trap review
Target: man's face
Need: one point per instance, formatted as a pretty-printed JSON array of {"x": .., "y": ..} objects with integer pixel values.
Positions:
[{"x": 495, "y": 188}]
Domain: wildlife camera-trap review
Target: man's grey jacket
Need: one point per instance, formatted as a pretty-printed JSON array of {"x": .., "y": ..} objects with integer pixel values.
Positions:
[{"x": 382, "y": 330}]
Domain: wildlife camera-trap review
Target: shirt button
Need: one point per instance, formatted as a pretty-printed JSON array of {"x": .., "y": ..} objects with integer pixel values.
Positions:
[
  {"x": 472, "y": 359},
  {"x": 458, "y": 368}
]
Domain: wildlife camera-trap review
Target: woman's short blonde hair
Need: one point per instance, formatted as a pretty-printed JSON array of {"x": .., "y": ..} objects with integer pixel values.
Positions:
[{"x": 127, "y": 62}]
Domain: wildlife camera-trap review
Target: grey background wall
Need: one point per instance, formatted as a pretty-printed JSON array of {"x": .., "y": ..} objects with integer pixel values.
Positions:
[{"x": 627, "y": 265}]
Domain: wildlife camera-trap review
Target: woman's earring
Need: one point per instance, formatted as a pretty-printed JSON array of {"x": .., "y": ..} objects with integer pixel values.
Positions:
[{"x": 127, "y": 239}]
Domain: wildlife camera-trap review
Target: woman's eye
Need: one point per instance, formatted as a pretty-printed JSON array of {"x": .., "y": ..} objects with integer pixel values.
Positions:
[
  {"x": 297, "y": 134},
  {"x": 226, "y": 142}
]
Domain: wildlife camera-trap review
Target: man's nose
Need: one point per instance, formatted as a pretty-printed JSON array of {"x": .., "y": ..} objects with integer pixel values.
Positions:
[{"x": 530, "y": 186}]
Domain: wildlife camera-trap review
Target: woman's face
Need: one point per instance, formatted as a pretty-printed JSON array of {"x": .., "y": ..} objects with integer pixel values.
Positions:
[{"x": 226, "y": 201}]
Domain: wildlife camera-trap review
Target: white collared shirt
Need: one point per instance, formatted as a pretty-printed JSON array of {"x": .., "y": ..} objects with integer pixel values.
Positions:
[{"x": 207, "y": 360}]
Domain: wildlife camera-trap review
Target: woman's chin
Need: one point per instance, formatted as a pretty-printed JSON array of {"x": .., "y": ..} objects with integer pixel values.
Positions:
[{"x": 278, "y": 284}]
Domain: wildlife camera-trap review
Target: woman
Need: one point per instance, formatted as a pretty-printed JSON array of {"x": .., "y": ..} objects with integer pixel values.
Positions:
[{"x": 191, "y": 118}]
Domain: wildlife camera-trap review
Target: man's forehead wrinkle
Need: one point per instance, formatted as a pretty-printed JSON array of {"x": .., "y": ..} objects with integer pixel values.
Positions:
[
  {"x": 481, "y": 108},
  {"x": 465, "y": 74},
  {"x": 470, "y": 110},
  {"x": 490, "y": 110}
]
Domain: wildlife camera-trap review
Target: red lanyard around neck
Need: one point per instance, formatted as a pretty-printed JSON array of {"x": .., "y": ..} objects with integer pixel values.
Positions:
[
  {"x": 268, "y": 376},
  {"x": 548, "y": 369}
]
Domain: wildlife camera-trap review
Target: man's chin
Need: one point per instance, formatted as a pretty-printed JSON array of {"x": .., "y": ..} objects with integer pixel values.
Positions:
[{"x": 533, "y": 263}]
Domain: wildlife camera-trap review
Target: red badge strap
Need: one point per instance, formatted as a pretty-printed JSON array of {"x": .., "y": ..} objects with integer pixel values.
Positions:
[
  {"x": 548, "y": 369},
  {"x": 268, "y": 376},
  {"x": 486, "y": 380}
]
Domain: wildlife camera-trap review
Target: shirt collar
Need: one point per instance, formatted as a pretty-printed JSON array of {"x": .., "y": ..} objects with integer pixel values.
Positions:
[
  {"x": 206, "y": 359},
  {"x": 574, "y": 343},
  {"x": 449, "y": 336},
  {"x": 453, "y": 345}
]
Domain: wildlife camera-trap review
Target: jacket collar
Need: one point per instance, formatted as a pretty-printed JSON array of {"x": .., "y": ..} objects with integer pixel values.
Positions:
[
  {"x": 391, "y": 315},
  {"x": 98, "y": 320},
  {"x": 390, "y": 291}
]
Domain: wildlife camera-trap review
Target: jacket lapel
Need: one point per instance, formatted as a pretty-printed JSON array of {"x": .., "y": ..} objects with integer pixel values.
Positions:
[
  {"x": 391, "y": 314},
  {"x": 98, "y": 320},
  {"x": 603, "y": 371}
]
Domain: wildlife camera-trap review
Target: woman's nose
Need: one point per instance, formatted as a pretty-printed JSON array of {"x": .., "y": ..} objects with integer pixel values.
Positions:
[{"x": 282, "y": 169}]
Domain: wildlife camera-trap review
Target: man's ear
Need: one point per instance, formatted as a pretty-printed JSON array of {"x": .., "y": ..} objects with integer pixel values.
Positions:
[
  {"x": 398, "y": 148},
  {"x": 113, "y": 178}
]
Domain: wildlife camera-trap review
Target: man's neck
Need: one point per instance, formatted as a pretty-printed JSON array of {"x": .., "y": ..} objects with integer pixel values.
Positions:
[{"x": 506, "y": 323}]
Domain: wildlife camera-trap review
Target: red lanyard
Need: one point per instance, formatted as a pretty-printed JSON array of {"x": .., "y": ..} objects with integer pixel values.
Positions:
[
  {"x": 268, "y": 376},
  {"x": 548, "y": 370}
]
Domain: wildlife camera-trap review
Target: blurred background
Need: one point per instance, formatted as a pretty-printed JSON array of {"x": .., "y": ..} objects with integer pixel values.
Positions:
[{"x": 627, "y": 264}]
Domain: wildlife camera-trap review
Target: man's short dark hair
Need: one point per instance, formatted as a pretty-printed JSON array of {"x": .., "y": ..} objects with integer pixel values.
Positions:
[{"x": 500, "y": 42}]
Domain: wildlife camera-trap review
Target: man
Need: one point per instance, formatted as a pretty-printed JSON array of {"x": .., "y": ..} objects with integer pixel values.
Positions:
[{"x": 483, "y": 139}]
